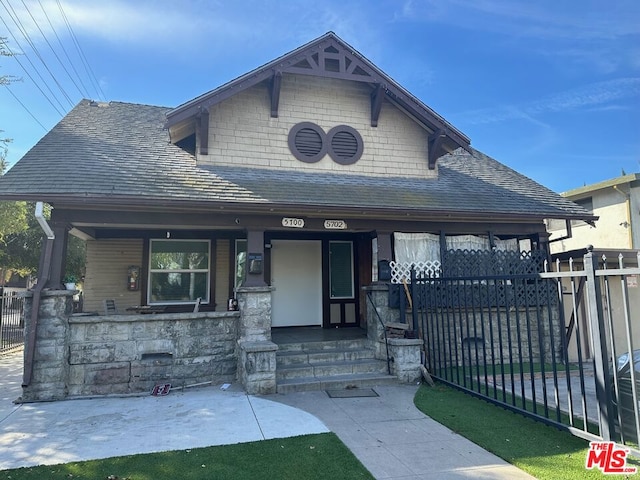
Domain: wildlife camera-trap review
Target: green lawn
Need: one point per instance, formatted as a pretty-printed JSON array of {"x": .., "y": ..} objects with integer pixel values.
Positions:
[
  {"x": 542, "y": 451},
  {"x": 321, "y": 456}
]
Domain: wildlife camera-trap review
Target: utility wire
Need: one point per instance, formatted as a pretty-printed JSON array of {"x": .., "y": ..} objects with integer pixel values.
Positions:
[
  {"x": 15, "y": 56},
  {"x": 87, "y": 95},
  {"x": 25, "y": 107},
  {"x": 87, "y": 67},
  {"x": 17, "y": 22},
  {"x": 26, "y": 35},
  {"x": 52, "y": 50}
]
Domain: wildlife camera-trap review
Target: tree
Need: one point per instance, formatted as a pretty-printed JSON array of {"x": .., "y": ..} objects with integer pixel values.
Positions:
[
  {"x": 12, "y": 214},
  {"x": 13, "y": 218},
  {"x": 5, "y": 52}
]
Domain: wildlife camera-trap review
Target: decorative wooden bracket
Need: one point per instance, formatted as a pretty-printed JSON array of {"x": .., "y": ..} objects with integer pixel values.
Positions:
[
  {"x": 202, "y": 127},
  {"x": 376, "y": 104},
  {"x": 276, "y": 82},
  {"x": 435, "y": 142}
]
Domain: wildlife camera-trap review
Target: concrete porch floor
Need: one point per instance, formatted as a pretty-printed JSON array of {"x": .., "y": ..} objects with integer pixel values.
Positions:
[{"x": 315, "y": 334}]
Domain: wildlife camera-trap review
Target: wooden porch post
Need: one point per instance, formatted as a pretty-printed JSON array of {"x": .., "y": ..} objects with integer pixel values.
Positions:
[{"x": 58, "y": 255}]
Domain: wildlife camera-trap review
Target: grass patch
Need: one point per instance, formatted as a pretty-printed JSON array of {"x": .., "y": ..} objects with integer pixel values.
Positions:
[
  {"x": 321, "y": 456},
  {"x": 517, "y": 369},
  {"x": 542, "y": 451}
]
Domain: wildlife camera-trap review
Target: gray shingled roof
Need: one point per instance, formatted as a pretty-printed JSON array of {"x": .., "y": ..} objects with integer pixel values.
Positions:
[{"x": 120, "y": 153}]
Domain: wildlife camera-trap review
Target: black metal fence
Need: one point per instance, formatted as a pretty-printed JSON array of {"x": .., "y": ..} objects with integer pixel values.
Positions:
[
  {"x": 11, "y": 320},
  {"x": 502, "y": 326}
]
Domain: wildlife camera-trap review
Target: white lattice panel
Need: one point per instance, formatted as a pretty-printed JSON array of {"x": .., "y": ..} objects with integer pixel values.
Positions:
[{"x": 401, "y": 272}]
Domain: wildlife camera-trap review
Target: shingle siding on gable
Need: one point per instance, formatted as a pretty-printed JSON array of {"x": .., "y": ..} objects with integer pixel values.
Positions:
[{"x": 242, "y": 133}]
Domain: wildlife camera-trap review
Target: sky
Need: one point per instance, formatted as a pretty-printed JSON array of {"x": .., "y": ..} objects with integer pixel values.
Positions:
[{"x": 550, "y": 88}]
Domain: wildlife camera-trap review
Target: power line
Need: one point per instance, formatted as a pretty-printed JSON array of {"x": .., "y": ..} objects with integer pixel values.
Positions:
[
  {"x": 15, "y": 56},
  {"x": 52, "y": 50},
  {"x": 87, "y": 67},
  {"x": 25, "y": 107},
  {"x": 64, "y": 50},
  {"x": 25, "y": 34}
]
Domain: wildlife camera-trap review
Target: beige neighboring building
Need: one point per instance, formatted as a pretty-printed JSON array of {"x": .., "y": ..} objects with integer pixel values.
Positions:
[{"x": 617, "y": 204}]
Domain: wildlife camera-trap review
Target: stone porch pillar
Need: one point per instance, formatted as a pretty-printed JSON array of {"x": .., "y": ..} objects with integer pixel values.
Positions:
[
  {"x": 379, "y": 293},
  {"x": 257, "y": 353},
  {"x": 50, "y": 367}
]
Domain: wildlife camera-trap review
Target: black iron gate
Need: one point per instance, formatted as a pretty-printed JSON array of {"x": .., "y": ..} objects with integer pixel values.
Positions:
[
  {"x": 499, "y": 325},
  {"x": 11, "y": 320}
]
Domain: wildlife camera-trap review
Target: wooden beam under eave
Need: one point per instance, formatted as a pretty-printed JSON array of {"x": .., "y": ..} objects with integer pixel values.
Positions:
[
  {"x": 435, "y": 144},
  {"x": 276, "y": 82},
  {"x": 202, "y": 126},
  {"x": 376, "y": 104}
]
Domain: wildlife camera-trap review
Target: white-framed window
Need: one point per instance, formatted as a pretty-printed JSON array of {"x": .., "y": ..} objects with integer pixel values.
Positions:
[{"x": 179, "y": 271}]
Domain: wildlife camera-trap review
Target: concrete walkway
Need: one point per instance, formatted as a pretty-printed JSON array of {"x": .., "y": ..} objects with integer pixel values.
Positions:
[{"x": 388, "y": 434}]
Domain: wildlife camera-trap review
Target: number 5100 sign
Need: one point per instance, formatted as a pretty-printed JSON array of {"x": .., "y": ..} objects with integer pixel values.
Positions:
[{"x": 292, "y": 222}]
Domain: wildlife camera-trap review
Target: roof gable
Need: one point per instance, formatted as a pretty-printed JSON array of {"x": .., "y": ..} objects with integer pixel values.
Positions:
[{"x": 329, "y": 56}]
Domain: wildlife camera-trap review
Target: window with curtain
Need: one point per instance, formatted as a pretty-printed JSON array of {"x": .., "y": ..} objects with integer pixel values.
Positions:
[
  {"x": 421, "y": 247},
  {"x": 416, "y": 247},
  {"x": 179, "y": 271}
]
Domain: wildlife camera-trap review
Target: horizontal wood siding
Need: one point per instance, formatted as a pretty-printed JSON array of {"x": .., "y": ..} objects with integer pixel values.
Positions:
[
  {"x": 106, "y": 275},
  {"x": 223, "y": 250}
]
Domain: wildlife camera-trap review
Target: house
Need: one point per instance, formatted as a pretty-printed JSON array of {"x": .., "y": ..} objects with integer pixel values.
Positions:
[
  {"x": 617, "y": 204},
  {"x": 615, "y": 237},
  {"x": 280, "y": 190}
]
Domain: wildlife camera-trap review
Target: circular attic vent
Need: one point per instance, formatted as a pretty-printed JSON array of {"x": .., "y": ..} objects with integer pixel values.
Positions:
[
  {"x": 306, "y": 142},
  {"x": 309, "y": 143},
  {"x": 345, "y": 144}
]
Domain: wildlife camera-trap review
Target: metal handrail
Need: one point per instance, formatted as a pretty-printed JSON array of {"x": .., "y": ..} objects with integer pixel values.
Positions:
[{"x": 384, "y": 330}]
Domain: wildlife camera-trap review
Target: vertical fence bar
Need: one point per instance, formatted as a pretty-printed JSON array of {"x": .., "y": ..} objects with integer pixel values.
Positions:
[
  {"x": 552, "y": 340},
  {"x": 462, "y": 306},
  {"x": 476, "y": 338},
  {"x": 541, "y": 351},
  {"x": 599, "y": 344},
  {"x": 518, "y": 293},
  {"x": 507, "y": 308},
  {"x": 11, "y": 320},
  {"x": 499, "y": 327},
  {"x": 632, "y": 370},
  {"x": 530, "y": 344},
  {"x": 563, "y": 342},
  {"x": 579, "y": 339}
]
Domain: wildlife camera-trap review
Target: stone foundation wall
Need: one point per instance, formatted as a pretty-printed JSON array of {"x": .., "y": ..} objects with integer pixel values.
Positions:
[{"x": 122, "y": 354}]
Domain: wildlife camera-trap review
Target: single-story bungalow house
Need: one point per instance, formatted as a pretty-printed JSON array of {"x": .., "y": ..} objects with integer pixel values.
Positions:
[{"x": 276, "y": 200}]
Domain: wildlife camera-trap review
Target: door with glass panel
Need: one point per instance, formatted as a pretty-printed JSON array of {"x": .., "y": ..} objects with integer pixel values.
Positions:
[{"x": 341, "y": 281}]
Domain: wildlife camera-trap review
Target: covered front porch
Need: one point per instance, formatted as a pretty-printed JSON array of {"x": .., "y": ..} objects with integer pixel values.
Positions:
[{"x": 77, "y": 355}]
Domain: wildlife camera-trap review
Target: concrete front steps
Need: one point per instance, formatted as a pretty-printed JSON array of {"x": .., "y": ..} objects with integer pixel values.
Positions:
[{"x": 329, "y": 365}]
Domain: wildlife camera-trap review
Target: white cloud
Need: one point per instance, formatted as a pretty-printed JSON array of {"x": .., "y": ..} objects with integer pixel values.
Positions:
[
  {"x": 600, "y": 95},
  {"x": 542, "y": 19}
]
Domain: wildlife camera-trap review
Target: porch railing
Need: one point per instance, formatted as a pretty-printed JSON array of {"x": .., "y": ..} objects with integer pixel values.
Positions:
[
  {"x": 11, "y": 320},
  {"x": 534, "y": 341}
]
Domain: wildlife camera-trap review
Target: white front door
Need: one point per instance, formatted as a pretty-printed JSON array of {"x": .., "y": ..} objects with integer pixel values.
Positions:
[{"x": 296, "y": 275}]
